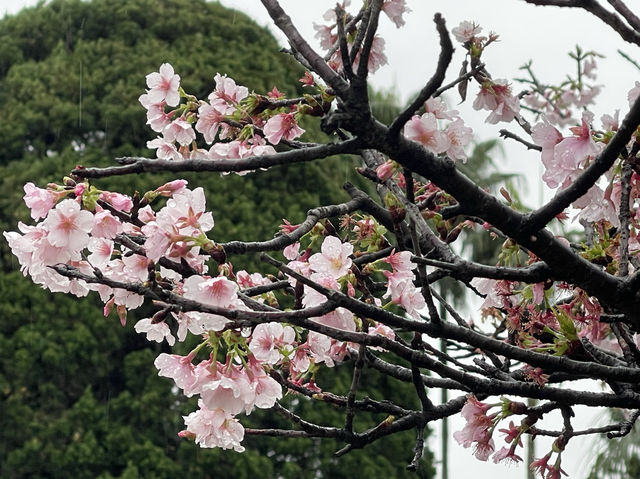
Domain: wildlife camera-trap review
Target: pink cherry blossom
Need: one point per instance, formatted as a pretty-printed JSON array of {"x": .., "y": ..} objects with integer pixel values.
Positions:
[
  {"x": 282, "y": 125},
  {"x": 386, "y": 170},
  {"x": 155, "y": 332},
  {"x": 495, "y": 96},
  {"x": 226, "y": 89},
  {"x": 291, "y": 252},
  {"x": 595, "y": 206},
  {"x": 477, "y": 431},
  {"x": 178, "y": 368},
  {"x": 171, "y": 188},
  {"x": 438, "y": 107},
  {"x": 214, "y": 429},
  {"x": 333, "y": 259},
  {"x": 230, "y": 391},
  {"x": 320, "y": 348},
  {"x": 459, "y": 136},
  {"x": 210, "y": 117},
  {"x": 506, "y": 454},
  {"x": 38, "y": 200},
  {"x": 466, "y": 31},
  {"x": 569, "y": 155},
  {"x": 269, "y": 339},
  {"x": 546, "y": 136},
  {"x": 68, "y": 225},
  {"x": 165, "y": 150},
  {"x": 179, "y": 130},
  {"x": 218, "y": 291},
  {"x": 377, "y": 57},
  {"x": 324, "y": 33},
  {"x": 101, "y": 251},
  {"x": 394, "y": 9},
  {"x": 119, "y": 201},
  {"x": 185, "y": 211},
  {"x": 136, "y": 267},
  {"x": 424, "y": 130},
  {"x": 400, "y": 261},
  {"x": 266, "y": 389},
  {"x": 105, "y": 225},
  {"x": 164, "y": 86},
  {"x": 157, "y": 119},
  {"x": 403, "y": 292},
  {"x": 382, "y": 330},
  {"x": 610, "y": 123}
]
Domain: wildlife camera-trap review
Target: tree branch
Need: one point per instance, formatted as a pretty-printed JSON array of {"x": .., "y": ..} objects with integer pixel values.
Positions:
[
  {"x": 138, "y": 165},
  {"x": 446, "y": 54}
]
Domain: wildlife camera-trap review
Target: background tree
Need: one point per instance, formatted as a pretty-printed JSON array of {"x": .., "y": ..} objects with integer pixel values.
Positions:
[{"x": 79, "y": 396}]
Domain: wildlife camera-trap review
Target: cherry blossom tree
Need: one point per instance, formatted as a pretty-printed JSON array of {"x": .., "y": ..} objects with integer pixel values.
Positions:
[{"x": 352, "y": 285}]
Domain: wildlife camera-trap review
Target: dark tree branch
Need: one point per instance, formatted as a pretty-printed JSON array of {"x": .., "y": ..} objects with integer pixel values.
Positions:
[
  {"x": 450, "y": 331},
  {"x": 530, "y": 146},
  {"x": 631, "y": 18},
  {"x": 137, "y": 165},
  {"x": 592, "y": 6},
  {"x": 429, "y": 90},
  {"x": 372, "y": 27},
  {"x": 355, "y": 382},
  {"x": 342, "y": 40},
  {"x": 600, "y": 165},
  {"x": 315, "y": 61},
  {"x": 313, "y": 216},
  {"x": 467, "y": 270}
]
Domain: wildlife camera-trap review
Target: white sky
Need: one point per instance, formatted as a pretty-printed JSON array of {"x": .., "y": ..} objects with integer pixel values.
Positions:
[{"x": 527, "y": 32}]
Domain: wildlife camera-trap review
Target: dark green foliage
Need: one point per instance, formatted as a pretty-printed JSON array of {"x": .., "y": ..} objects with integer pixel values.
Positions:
[{"x": 79, "y": 395}]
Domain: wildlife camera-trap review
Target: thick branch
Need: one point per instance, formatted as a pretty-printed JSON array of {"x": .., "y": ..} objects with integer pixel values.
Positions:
[
  {"x": 137, "y": 165},
  {"x": 611, "y": 19}
]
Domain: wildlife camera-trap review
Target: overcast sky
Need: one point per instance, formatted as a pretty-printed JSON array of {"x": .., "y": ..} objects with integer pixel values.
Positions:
[{"x": 544, "y": 35}]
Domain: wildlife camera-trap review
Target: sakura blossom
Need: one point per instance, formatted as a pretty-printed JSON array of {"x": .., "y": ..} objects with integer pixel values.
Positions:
[
  {"x": 179, "y": 130},
  {"x": 178, "y": 368},
  {"x": 105, "y": 225},
  {"x": 477, "y": 431},
  {"x": 155, "y": 332},
  {"x": 101, "y": 251},
  {"x": 281, "y": 126},
  {"x": 269, "y": 340},
  {"x": 163, "y": 86},
  {"x": 39, "y": 200},
  {"x": 466, "y": 31},
  {"x": 227, "y": 90},
  {"x": 210, "y": 117},
  {"x": 351, "y": 268},
  {"x": 68, "y": 226},
  {"x": 496, "y": 97},
  {"x": 459, "y": 137},
  {"x": 394, "y": 9},
  {"x": 333, "y": 258},
  {"x": 214, "y": 429},
  {"x": 424, "y": 129},
  {"x": 165, "y": 149}
]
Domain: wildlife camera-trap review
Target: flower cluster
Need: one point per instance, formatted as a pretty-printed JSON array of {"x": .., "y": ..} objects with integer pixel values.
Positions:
[
  {"x": 135, "y": 247},
  {"x": 479, "y": 428},
  {"x": 425, "y": 130},
  {"x": 328, "y": 35},
  {"x": 231, "y": 113}
]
